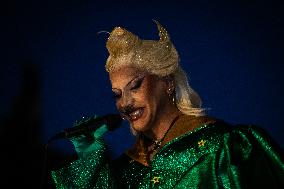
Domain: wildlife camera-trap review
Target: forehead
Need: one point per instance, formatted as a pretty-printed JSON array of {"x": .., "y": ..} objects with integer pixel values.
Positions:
[{"x": 123, "y": 75}]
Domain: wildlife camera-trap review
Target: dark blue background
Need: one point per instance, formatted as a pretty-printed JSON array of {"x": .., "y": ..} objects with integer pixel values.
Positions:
[{"x": 232, "y": 52}]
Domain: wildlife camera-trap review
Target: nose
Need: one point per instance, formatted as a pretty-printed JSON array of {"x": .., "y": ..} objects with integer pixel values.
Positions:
[{"x": 126, "y": 100}]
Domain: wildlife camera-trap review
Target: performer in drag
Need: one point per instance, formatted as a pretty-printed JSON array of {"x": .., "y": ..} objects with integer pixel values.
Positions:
[{"x": 177, "y": 144}]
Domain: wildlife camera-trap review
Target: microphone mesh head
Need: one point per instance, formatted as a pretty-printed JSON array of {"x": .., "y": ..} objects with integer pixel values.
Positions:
[{"x": 113, "y": 121}]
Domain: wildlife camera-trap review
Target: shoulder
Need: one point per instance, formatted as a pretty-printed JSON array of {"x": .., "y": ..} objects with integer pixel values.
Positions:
[
  {"x": 242, "y": 141},
  {"x": 251, "y": 135},
  {"x": 236, "y": 133},
  {"x": 188, "y": 125},
  {"x": 253, "y": 140}
]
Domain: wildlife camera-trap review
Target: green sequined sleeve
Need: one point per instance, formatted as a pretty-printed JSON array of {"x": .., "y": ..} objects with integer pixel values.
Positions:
[
  {"x": 91, "y": 171},
  {"x": 250, "y": 159}
]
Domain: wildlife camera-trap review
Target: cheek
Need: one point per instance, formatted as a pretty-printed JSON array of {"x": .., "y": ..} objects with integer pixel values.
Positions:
[
  {"x": 152, "y": 95},
  {"x": 145, "y": 95},
  {"x": 158, "y": 97}
]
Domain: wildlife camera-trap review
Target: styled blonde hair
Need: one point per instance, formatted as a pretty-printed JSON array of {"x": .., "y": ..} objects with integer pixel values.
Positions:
[{"x": 158, "y": 57}]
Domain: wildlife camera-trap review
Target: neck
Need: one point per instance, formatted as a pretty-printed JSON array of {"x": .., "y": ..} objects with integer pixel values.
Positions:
[{"x": 161, "y": 126}]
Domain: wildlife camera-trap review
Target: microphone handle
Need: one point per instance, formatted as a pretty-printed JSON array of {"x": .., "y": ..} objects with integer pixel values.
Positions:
[
  {"x": 85, "y": 128},
  {"x": 112, "y": 122}
]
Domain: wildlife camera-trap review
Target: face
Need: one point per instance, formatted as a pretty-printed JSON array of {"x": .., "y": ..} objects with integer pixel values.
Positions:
[{"x": 139, "y": 96}]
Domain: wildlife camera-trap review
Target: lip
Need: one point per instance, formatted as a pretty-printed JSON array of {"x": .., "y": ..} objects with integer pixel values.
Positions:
[{"x": 136, "y": 114}]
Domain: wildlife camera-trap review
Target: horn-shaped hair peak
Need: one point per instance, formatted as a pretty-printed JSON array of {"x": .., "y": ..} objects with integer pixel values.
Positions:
[{"x": 164, "y": 36}]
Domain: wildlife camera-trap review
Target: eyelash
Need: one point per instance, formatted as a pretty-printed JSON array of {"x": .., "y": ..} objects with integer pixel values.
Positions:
[{"x": 137, "y": 84}]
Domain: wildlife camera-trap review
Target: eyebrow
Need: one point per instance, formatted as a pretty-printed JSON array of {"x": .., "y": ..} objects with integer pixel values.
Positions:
[{"x": 129, "y": 81}]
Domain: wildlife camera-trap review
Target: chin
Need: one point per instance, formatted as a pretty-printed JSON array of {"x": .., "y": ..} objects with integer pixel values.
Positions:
[
  {"x": 135, "y": 129},
  {"x": 138, "y": 127}
]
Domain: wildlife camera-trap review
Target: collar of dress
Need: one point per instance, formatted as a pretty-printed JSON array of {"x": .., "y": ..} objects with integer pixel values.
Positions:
[{"x": 182, "y": 126}]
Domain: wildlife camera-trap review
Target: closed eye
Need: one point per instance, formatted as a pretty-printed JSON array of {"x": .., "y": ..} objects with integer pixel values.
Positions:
[{"x": 136, "y": 84}]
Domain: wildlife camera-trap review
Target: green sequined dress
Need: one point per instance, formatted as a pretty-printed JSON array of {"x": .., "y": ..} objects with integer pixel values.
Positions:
[{"x": 197, "y": 153}]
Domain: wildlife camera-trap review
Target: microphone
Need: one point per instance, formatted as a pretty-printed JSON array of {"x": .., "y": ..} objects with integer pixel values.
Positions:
[{"x": 86, "y": 126}]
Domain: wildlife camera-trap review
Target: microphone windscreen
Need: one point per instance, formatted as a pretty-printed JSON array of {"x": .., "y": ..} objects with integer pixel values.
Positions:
[{"x": 113, "y": 121}]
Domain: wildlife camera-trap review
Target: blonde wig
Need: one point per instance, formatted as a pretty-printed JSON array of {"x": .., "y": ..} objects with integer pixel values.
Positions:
[{"x": 158, "y": 57}]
